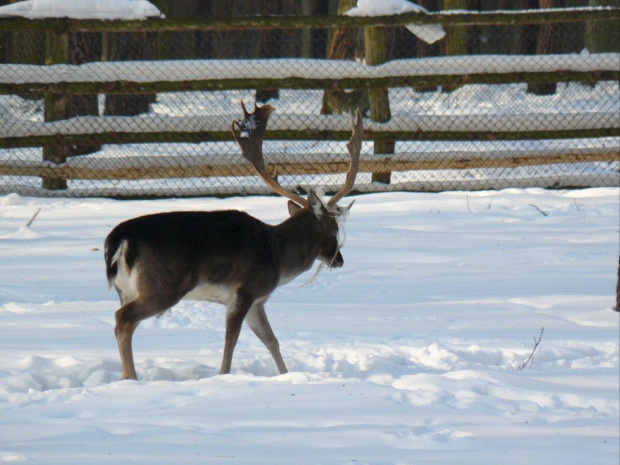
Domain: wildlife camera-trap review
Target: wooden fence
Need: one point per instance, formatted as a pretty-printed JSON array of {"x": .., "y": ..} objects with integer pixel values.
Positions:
[{"x": 62, "y": 80}]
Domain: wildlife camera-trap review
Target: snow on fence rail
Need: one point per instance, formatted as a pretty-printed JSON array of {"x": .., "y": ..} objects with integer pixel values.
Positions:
[
  {"x": 99, "y": 77},
  {"x": 411, "y": 119},
  {"x": 491, "y": 126}
]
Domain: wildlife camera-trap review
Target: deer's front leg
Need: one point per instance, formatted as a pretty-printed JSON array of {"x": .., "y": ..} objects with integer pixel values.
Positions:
[
  {"x": 235, "y": 314},
  {"x": 258, "y": 323}
]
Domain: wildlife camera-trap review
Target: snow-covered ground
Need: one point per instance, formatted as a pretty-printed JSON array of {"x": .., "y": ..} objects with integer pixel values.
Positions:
[{"x": 410, "y": 353}]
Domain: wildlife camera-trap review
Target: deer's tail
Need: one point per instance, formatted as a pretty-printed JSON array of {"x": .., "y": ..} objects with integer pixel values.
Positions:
[{"x": 114, "y": 247}]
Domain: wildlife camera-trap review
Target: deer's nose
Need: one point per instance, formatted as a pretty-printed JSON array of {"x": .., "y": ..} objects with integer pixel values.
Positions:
[{"x": 338, "y": 261}]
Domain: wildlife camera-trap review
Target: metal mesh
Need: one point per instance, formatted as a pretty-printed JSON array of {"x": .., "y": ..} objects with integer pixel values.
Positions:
[{"x": 444, "y": 136}]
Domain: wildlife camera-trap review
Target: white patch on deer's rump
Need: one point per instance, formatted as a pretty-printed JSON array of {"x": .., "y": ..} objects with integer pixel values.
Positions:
[{"x": 126, "y": 278}]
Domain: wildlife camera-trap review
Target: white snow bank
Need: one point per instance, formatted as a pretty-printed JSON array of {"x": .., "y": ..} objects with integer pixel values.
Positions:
[
  {"x": 429, "y": 33},
  {"x": 410, "y": 352},
  {"x": 82, "y": 9},
  {"x": 23, "y": 233}
]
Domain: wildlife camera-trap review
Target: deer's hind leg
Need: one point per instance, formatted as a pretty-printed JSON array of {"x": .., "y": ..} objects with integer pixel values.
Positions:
[
  {"x": 144, "y": 293},
  {"x": 152, "y": 300},
  {"x": 128, "y": 317}
]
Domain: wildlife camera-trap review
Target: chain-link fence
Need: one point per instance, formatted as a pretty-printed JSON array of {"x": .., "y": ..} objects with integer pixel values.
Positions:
[{"x": 489, "y": 106}]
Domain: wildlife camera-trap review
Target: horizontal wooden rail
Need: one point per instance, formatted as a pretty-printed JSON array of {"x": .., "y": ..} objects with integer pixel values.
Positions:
[
  {"x": 93, "y": 130},
  {"x": 136, "y": 168},
  {"x": 308, "y": 134},
  {"x": 129, "y": 87},
  {"x": 294, "y": 22},
  {"x": 299, "y": 73}
]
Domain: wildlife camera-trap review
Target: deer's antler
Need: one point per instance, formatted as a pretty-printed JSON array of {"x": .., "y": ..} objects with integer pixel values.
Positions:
[
  {"x": 354, "y": 146},
  {"x": 251, "y": 133}
]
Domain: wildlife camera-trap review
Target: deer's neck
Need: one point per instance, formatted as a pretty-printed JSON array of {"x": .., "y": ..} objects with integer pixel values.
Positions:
[{"x": 299, "y": 239}]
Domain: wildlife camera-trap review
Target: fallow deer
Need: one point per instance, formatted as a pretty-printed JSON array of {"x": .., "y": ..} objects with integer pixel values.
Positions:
[{"x": 227, "y": 257}]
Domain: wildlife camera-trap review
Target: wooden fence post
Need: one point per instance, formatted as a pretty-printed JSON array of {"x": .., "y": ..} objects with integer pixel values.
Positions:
[
  {"x": 56, "y": 103},
  {"x": 375, "y": 44}
]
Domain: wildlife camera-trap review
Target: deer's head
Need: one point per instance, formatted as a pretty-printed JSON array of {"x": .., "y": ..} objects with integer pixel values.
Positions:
[
  {"x": 329, "y": 222},
  {"x": 249, "y": 133}
]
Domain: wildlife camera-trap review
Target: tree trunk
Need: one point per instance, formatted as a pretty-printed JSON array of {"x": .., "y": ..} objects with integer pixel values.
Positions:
[
  {"x": 424, "y": 50},
  {"x": 183, "y": 42},
  {"x": 27, "y": 47},
  {"x": 474, "y": 33},
  {"x": 525, "y": 35},
  {"x": 455, "y": 42},
  {"x": 345, "y": 44},
  {"x": 83, "y": 48},
  {"x": 573, "y": 34},
  {"x": 549, "y": 40},
  {"x": 269, "y": 41},
  {"x": 308, "y": 8},
  {"x": 5, "y": 46},
  {"x": 5, "y": 41},
  {"x": 128, "y": 46},
  {"x": 291, "y": 40},
  {"x": 602, "y": 36},
  {"x": 236, "y": 43},
  {"x": 165, "y": 41},
  {"x": 56, "y": 105}
]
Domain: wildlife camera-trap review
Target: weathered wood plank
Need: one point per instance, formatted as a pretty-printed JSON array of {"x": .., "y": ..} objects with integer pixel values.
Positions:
[
  {"x": 165, "y": 168},
  {"x": 196, "y": 137},
  {"x": 132, "y": 87},
  {"x": 283, "y": 22}
]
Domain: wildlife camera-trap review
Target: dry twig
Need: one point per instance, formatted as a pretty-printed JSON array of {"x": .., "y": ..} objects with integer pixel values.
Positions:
[
  {"x": 33, "y": 218},
  {"x": 530, "y": 358},
  {"x": 532, "y": 205}
]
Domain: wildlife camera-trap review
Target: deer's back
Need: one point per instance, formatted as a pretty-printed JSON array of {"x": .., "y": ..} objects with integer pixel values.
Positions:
[{"x": 196, "y": 249}]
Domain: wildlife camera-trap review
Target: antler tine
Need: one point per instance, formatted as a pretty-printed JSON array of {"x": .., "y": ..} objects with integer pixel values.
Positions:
[
  {"x": 354, "y": 146},
  {"x": 252, "y": 130}
]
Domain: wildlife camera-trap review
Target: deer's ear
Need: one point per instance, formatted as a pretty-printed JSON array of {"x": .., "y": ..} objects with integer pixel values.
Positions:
[
  {"x": 293, "y": 208},
  {"x": 316, "y": 204},
  {"x": 345, "y": 210}
]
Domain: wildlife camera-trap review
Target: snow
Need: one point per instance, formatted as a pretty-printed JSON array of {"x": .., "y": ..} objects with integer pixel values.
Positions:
[
  {"x": 409, "y": 353},
  {"x": 429, "y": 33},
  {"x": 82, "y": 9}
]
